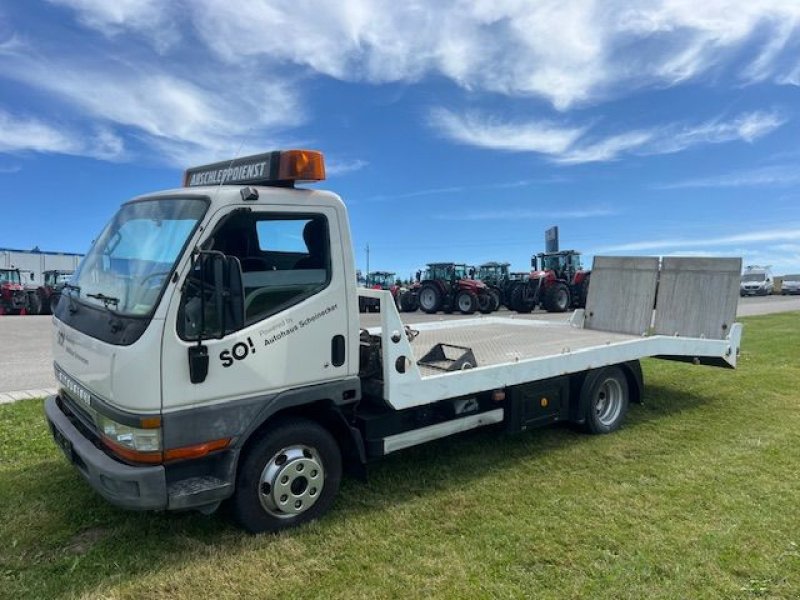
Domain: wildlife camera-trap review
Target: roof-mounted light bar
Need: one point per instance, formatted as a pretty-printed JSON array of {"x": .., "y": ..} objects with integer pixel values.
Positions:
[{"x": 280, "y": 168}]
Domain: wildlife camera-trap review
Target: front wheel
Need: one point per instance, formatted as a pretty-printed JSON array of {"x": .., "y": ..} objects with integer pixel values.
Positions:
[
  {"x": 519, "y": 300},
  {"x": 606, "y": 397},
  {"x": 486, "y": 302},
  {"x": 289, "y": 477},
  {"x": 467, "y": 302},
  {"x": 556, "y": 298},
  {"x": 430, "y": 298}
]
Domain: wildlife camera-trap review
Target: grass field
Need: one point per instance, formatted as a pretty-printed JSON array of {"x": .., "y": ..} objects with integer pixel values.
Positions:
[{"x": 698, "y": 496}]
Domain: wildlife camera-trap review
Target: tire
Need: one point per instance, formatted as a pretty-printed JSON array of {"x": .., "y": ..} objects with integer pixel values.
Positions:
[
  {"x": 518, "y": 302},
  {"x": 466, "y": 302},
  {"x": 34, "y": 304},
  {"x": 408, "y": 302},
  {"x": 275, "y": 463},
  {"x": 584, "y": 292},
  {"x": 606, "y": 396},
  {"x": 486, "y": 302},
  {"x": 430, "y": 298},
  {"x": 495, "y": 294},
  {"x": 556, "y": 298}
]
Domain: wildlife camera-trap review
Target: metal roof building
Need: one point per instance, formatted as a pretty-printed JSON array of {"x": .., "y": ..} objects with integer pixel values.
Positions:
[{"x": 37, "y": 261}]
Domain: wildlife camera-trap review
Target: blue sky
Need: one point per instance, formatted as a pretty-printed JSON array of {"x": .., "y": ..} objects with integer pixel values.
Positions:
[{"x": 453, "y": 130}]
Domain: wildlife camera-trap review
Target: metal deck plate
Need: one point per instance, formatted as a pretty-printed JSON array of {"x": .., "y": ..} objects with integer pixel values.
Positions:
[
  {"x": 506, "y": 343},
  {"x": 622, "y": 293},
  {"x": 697, "y": 297}
]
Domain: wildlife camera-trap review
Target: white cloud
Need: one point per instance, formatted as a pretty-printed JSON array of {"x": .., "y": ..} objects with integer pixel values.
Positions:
[
  {"x": 181, "y": 119},
  {"x": 226, "y": 73},
  {"x": 511, "y": 215},
  {"x": 488, "y": 132},
  {"x": 778, "y": 175},
  {"x": 568, "y": 52},
  {"x": 767, "y": 235},
  {"x": 337, "y": 166},
  {"x": 568, "y": 144},
  {"x": 112, "y": 18},
  {"x": 605, "y": 149},
  {"x": 24, "y": 134}
]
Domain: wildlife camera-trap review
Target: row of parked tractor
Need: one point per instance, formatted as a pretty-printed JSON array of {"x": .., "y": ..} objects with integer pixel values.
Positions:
[
  {"x": 19, "y": 295},
  {"x": 557, "y": 282}
]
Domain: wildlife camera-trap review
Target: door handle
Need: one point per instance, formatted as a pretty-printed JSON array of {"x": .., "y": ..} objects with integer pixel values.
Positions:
[{"x": 337, "y": 350}]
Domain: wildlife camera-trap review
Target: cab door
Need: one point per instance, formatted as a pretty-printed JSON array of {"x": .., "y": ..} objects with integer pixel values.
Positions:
[{"x": 296, "y": 314}]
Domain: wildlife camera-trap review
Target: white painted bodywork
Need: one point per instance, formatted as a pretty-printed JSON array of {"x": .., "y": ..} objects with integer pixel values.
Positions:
[
  {"x": 411, "y": 388},
  {"x": 152, "y": 375}
]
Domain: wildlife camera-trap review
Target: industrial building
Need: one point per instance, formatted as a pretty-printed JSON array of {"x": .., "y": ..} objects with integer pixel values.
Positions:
[{"x": 37, "y": 261}]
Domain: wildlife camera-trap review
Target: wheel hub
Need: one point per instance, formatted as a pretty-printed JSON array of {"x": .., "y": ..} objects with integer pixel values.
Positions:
[
  {"x": 291, "y": 482},
  {"x": 426, "y": 298},
  {"x": 608, "y": 401}
]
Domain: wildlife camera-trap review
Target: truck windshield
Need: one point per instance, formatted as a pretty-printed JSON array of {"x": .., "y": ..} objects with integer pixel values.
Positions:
[
  {"x": 127, "y": 267},
  {"x": 753, "y": 277},
  {"x": 9, "y": 277}
]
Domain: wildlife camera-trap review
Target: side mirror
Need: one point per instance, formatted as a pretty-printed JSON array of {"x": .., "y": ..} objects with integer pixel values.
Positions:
[
  {"x": 31, "y": 276},
  {"x": 217, "y": 292}
]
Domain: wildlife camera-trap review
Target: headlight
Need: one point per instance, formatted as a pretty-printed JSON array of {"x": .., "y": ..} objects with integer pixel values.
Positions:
[{"x": 132, "y": 443}]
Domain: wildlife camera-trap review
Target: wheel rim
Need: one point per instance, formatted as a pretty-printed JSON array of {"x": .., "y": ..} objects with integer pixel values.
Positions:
[
  {"x": 562, "y": 298},
  {"x": 464, "y": 302},
  {"x": 427, "y": 298},
  {"x": 608, "y": 401},
  {"x": 291, "y": 482}
]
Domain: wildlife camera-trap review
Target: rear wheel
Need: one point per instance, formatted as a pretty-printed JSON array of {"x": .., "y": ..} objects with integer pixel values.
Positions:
[
  {"x": 467, "y": 302},
  {"x": 556, "y": 298},
  {"x": 519, "y": 302},
  {"x": 584, "y": 293},
  {"x": 408, "y": 301},
  {"x": 606, "y": 397},
  {"x": 430, "y": 298},
  {"x": 486, "y": 302},
  {"x": 289, "y": 477},
  {"x": 496, "y": 294},
  {"x": 34, "y": 304}
]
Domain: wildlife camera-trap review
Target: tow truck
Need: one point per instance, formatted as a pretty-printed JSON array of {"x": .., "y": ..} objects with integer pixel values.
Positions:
[{"x": 208, "y": 349}]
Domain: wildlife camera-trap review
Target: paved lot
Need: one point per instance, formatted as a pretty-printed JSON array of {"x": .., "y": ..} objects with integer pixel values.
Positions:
[{"x": 26, "y": 362}]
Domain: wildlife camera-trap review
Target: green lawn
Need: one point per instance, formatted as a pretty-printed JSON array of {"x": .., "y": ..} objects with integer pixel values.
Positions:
[{"x": 698, "y": 496}]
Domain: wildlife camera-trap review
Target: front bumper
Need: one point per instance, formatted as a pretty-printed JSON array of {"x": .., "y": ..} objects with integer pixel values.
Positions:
[{"x": 126, "y": 486}]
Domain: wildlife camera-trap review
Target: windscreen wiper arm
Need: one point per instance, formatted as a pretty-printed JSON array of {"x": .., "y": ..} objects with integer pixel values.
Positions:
[{"x": 106, "y": 300}]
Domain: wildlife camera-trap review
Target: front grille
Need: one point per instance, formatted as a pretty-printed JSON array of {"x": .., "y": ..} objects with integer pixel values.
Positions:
[{"x": 79, "y": 415}]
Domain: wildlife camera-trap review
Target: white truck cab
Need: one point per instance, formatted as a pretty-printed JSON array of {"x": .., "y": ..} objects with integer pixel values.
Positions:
[{"x": 209, "y": 347}]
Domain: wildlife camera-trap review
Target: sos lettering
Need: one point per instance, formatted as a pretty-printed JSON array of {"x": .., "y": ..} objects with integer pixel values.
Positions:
[{"x": 239, "y": 351}]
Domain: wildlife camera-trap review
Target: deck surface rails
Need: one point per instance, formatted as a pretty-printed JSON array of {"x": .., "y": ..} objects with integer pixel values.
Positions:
[{"x": 501, "y": 343}]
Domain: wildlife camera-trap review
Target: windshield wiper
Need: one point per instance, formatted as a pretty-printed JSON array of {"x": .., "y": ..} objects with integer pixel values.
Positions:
[
  {"x": 106, "y": 300},
  {"x": 115, "y": 322}
]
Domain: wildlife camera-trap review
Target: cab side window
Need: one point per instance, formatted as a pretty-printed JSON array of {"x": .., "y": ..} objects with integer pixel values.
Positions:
[{"x": 285, "y": 258}]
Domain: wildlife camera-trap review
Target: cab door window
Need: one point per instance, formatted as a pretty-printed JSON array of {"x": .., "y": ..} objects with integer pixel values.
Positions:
[{"x": 285, "y": 258}]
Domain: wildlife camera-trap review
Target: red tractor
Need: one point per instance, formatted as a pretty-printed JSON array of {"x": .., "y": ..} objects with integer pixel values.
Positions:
[
  {"x": 448, "y": 287},
  {"x": 15, "y": 297},
  {"x": 379, "y": 280},
  {"x": 50, "y": 291},
  {"x": 557, "y": 283}
]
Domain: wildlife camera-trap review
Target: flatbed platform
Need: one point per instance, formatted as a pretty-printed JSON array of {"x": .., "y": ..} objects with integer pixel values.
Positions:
[
  {"x": 497, "y": 341},
  {"x": 683, "y": 309}
]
